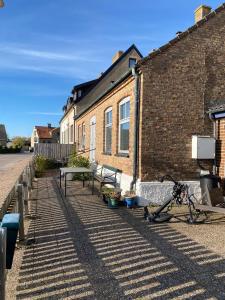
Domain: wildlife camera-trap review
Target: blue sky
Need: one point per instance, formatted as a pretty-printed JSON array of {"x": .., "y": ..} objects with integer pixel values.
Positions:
[{"x": 48, "y": 46}]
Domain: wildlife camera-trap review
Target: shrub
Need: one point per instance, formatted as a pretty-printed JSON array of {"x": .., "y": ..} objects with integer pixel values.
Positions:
[
  {"x": 76, "y": 160},
  {"x": 4, "y": 150},
  {"x": 42, "y": 164}
]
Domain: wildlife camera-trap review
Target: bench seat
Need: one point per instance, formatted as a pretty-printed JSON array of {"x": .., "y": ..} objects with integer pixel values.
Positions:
[{"x": 108, "y": 178}]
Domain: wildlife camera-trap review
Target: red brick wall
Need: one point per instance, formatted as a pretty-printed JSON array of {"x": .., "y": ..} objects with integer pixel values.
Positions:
[
  {"x": 113, "y": 99},
  {"x": 178, "y": 87}
]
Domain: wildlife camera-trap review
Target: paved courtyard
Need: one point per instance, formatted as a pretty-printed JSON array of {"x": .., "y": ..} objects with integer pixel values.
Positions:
[{"x": 83, "y": 250}]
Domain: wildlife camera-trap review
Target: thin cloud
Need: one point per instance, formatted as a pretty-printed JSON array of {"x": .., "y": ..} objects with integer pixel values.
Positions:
[
  {"x": 47, "y": 55},
  {"x": 44, "y": 113}
]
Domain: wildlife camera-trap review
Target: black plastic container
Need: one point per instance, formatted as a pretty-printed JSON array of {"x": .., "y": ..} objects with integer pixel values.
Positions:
[{"x": 210, "y": 181}]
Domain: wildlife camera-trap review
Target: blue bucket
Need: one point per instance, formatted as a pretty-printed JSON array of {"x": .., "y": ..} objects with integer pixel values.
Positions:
[{"x": 130, "y": 201}]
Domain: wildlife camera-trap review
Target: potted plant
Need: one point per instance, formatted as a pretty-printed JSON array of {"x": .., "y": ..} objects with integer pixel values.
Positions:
[
  {"x": 106, "y": 192},
  {"x": 114, "y": 198},
  {"x": 130, "y": 198}
]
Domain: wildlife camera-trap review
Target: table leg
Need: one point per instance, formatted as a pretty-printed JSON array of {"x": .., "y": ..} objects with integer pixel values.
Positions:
[
  {"x": 60, "y": 179},
  {"x": 65, "y": 182}
]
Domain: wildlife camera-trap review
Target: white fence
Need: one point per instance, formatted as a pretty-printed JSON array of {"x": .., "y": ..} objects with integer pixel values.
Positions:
[{"x": 53, "y": 151}]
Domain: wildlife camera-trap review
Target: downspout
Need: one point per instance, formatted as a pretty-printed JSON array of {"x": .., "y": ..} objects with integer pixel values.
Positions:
[
  {"x": 215, "y": 137},
  {"x": 74, "y": 128},
  {"x": 136, "y": 127}
]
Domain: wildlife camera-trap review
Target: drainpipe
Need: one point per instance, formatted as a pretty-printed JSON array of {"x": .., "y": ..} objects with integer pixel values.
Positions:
[
  {"x": 74, "y": 128},
  {"x": 136, "y": 127},
  {"x": 215, "y": 137}
]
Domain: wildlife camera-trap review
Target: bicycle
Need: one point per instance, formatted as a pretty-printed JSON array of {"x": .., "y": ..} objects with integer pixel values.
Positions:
[{"x": 180, "y": 195}]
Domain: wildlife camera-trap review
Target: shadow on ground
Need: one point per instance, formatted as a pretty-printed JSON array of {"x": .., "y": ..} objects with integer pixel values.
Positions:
[{"x": 83, "y": 250}]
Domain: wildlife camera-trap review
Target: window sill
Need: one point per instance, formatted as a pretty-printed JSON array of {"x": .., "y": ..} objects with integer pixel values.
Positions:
[
  {"x": 122, "y": 155},
  {"x": 107, "y": 153}
]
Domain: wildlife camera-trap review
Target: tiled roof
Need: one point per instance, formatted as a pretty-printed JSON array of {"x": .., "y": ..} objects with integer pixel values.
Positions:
[
  {"x": 108, "y": 78},
  {"x": 182, "y": 35},
  {"x": 3, "y": 135},
  {"x": 44, "y": 132}
]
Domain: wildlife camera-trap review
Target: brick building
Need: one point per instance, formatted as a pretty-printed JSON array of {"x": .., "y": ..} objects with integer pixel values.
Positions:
[{"x": 144, "y": 122}]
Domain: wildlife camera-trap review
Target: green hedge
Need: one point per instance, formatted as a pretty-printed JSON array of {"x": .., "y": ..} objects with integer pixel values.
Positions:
[
  {"x": 4, "y": 150},
  {"x": 42, "y": 164}
]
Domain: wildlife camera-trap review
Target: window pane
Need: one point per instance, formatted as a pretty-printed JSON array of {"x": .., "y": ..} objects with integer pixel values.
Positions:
[
  {"x": 83, "y": 136},
  {"x": 122, "y": 111},
  {"x": 132, "y": 62},
  {"x": 108, "y": 118},
  {"x": 71, "y": 133},
  {"x": 124, "y": 136},
  {"x": 127, "y": 109},
  {"x": 108, "y": 139}
]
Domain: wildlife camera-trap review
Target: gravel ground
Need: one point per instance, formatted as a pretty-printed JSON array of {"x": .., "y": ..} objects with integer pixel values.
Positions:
[
  {"x": 11, "y": 166},
  {"x": 83, "y": 250}
]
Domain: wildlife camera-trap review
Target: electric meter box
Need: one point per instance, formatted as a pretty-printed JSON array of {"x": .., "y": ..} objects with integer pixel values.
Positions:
[{"x": 203, "y": 147}]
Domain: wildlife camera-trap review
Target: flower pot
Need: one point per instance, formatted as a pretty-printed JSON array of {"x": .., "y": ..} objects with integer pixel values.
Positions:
[
  {"x": 112, "y": 203},
  {"x": 130, "y": 201}
]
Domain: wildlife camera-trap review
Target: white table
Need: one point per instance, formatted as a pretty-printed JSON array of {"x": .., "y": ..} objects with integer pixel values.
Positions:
[{"x": 75, "y": 170}]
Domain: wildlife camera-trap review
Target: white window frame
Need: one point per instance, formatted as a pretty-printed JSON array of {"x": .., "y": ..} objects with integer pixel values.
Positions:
[
  {"x": 83, "y": 134},
  {"x": 125, "y": 100},
  {"x": 79, "y": 135},
  {"x": 71, "y": 133},
  {"x": 106, "y": 126}
]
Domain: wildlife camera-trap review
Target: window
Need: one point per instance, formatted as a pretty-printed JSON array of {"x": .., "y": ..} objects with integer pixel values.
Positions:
[
  {"x": 124, "y": 125},
  {"x": 79, "y": 137},
  {"x": 71, "y": 133},
  {"x": 132, "y": 62},
  {"x": 83, "y": 136},
  {"x": 79, "y": 93},
  {"x": 108, "y": 130},
  {"x": 62, "y": 137}
]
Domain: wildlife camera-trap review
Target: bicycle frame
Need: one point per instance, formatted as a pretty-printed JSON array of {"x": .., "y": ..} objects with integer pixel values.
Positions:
[{"x": 180, "y": 194}]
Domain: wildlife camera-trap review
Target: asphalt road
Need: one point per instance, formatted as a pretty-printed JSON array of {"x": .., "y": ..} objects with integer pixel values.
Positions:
[{"x": 8, "y": 161}]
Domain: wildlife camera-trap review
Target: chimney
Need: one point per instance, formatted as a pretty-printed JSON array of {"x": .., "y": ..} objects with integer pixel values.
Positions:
[
  {"x": 49, "y": 125},
  {"x": 117, "y": 56},
  {"x": 201, "y": 12},
  {"x": 1, "y": 3}
]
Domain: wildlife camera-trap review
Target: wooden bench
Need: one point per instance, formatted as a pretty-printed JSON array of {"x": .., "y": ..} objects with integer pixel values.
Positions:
[{"x": 107, "y": 178}]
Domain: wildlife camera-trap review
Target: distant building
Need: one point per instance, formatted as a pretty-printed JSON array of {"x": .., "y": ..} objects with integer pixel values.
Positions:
[
  {"x": 3, "y": 135},
  {"x": 45, "y": 134}
]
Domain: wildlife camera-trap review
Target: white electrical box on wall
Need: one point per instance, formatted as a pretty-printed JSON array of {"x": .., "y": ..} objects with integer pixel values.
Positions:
[{"x": 203, "y": 147}]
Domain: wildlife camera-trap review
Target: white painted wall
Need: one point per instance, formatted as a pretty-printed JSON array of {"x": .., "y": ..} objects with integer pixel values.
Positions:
[
  {"x": 34, "y": 137},
  {"x": 65, "y": 128},
  {"x": 153, "y": 192},
  {"x": 157, "y": 192}
]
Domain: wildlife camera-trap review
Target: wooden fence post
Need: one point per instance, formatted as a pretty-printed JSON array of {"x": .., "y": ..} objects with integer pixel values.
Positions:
[
  {"x": 25, "y": 194},
  {"x": 3, "y": 232},
  {"x": 20, "y": 210}
]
